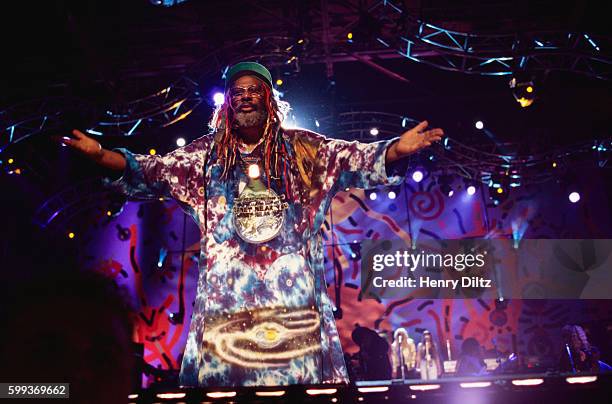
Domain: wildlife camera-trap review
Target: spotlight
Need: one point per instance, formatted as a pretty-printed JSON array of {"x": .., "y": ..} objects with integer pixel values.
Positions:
[
  {"x": 163, "y": 253},
  {"x": 152, "y": 152},
  {"x": 479, "y": 125},
  {"x": 71, "y": 235},
  {"x": 10, "y": 161},
  {"x": 451, "y": 193},
  {"x": 180, "y": 142},
  {"x": 349, "y": 36},
  {"x": 574, "y": 197},
  {"x": 523, "y": 91},
  {"x": 373, "y": 196},
  {"x": 417, "y": 176},
  {"x": 374, "y": 131},
  {"x": 279, "y": 82},
  {"x": 471, "y": 190},
  {"x": 500, "y": 190},
  {"x": 253, "y": 171},
  {"x": 218, "y": 99},
  {"x": 391, "y": 195}
]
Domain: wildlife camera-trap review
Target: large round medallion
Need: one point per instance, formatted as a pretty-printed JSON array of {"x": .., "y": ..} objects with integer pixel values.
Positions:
[{"x": 259, "y": 214}]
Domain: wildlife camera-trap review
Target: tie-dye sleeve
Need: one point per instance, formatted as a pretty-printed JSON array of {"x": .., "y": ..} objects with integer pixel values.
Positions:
[
  {"x": 344, "y": 164},
  {"x": 178, "y": 174}
]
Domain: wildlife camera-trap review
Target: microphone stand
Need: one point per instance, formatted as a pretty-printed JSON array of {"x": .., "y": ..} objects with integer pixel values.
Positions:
[
  {"x": 401, "y": 357},
  {"x": 571, "y": 358}
]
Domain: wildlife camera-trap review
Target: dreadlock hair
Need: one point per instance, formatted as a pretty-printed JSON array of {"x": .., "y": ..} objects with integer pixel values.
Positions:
[{"x": 226, "y": 142}]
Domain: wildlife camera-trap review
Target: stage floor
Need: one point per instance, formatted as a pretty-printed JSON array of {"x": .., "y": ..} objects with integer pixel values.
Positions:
[{"x": 526, "y": 388}]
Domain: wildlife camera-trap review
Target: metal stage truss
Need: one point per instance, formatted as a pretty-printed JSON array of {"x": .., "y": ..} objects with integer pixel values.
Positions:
[
  {"x": 398, "y": 34},
  {"x": 450, "y": 157}
]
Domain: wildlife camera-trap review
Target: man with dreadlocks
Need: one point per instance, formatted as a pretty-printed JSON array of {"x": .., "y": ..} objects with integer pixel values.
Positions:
[{"x": 259, "y": 194}]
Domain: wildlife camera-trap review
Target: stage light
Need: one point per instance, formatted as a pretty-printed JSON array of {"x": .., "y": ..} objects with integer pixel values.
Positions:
[
  {"x": 115, "y": 205},
  {"x": 316, "y": 392},
  {"x": 317, "y": 124},
  {"x": 445, "y": 183},
  {"x": 221, "y": 394},
  {"x": 554, "y": 164},
  {"x": 152, "y": 152},
  {"x": 500, "y": 190},
  {"x": 373, "y": 389},
  {"x": 71, "y": 235},
  {"x": 275, "y": 393},
  {"x": 373, "y": 196},
  {"x": 169, "y": 396},
  {"x": 132, "y": 396},
  {"x": 479, "y": 125},
  {"x": 391, "y": 195},
  {"x": 471, "y": 190},
  {"x": 374, "y": 131},
  {"x": 349, "y": 36},
  {"x": 180, "y": 142},
  {"x": 253, "y": 171},
  {"x": 417, "y": 176},
  {"x": 279, "y": 82},
  {"x": 218, "y": 99},
  {"x": 95, "y": 132},
  {"x": 580, "y": 379},
  {"x": 523, "y": 90},
  {"x": 424, "y": 387},
  {"x": 10, "y": 161},
  {"x": 163, "y": 253},
  {"x": 474, "y": 385},
  {"x": 446, "y": 144},
  {"x": 574, "y": 197},
  {"x": 527, "y": 382}
]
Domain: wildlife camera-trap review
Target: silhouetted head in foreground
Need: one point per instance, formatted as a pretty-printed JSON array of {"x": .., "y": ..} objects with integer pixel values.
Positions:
[{"x": 72, "y": 328}]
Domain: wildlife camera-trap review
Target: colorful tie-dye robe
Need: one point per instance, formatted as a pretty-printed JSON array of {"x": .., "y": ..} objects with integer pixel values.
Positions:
[{"x": 262, "y": 315}]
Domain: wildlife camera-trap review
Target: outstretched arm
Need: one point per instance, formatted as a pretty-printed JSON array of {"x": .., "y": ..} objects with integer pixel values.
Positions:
[
  {"x": 94, "y": 150},
  {"x": 412, "y": 141}
]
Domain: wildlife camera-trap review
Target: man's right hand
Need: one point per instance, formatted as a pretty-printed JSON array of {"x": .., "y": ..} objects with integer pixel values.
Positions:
[
  {"x": 84, "y": 144},
  {"x": 93, "y": 149}
]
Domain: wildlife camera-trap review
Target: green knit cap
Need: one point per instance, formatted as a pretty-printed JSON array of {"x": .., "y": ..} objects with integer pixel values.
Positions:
[{"x": 254, "y": 68}]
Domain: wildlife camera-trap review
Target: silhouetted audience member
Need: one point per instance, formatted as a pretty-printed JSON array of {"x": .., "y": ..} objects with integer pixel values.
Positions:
[
  {"x": 69, "y": 327},
  {"x": 470, "y": 362},
  {"x": 373, "y": 354}
]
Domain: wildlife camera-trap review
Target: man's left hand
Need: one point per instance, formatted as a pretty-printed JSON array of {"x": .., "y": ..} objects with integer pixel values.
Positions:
[{"x": 413, "y": 140}]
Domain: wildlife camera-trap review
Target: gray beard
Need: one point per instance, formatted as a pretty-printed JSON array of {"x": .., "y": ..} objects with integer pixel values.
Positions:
[{"x": 249, "y": 119}]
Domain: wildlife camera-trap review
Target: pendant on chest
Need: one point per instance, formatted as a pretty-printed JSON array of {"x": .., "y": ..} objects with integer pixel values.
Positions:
[{"x": 259, "y": 213}]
